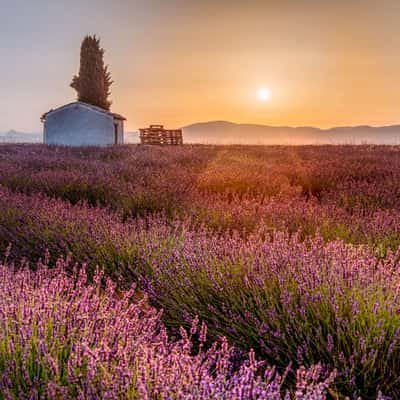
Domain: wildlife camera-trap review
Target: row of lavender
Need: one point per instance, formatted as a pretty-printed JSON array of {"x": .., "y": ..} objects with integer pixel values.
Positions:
[
  {"x": 257, "y": 242},
  {"x": 350, "y": 193},
  {"x": 62, "y": 338},
  {"x": 137, "y": 179}
]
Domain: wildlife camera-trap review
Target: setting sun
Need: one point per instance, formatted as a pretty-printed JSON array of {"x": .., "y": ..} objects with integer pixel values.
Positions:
[{"x": 264, "y": 94}]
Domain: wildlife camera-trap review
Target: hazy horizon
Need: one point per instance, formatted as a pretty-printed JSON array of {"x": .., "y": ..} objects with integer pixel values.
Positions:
[
  {"x": 249, "y": 123},
  {"x": 225, "y": 132}
]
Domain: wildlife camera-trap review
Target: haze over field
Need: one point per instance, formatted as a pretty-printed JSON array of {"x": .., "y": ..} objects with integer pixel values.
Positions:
[{"x": 223, "y": 132}]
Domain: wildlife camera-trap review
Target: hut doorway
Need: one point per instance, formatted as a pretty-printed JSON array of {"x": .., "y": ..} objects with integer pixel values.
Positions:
[{"x": 115, "y": 133}]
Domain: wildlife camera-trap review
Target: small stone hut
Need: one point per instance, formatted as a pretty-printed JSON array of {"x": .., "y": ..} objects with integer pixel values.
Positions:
[{"x": 82, "y": 124}]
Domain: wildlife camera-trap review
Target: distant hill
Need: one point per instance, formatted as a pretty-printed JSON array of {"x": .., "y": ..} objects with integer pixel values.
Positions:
[
  {"x": 223, "y": 132},
  {"x": 13, "y": 136}
]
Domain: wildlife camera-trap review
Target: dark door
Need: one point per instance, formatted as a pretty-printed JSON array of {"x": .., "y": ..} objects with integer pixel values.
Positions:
[{"x": 115, "y": 133}]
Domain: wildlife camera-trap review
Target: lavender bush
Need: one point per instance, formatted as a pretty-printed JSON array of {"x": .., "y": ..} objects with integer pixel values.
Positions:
[{"x": 62, "y": 338}]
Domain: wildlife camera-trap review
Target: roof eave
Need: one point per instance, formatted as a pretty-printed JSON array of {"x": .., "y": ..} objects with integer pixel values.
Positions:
[
  {"x": 119, "y": 117},
  {"x": 91, "y": 106}
]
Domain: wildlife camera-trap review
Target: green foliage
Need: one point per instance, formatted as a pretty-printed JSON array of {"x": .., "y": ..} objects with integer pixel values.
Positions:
[{"x": 94, "y": 80}]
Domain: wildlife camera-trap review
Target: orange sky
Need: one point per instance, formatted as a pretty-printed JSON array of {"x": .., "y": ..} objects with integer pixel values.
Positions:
[{"x": 179, "y": 62}]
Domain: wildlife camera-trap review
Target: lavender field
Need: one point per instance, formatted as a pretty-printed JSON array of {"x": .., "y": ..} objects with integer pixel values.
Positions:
[{"x": 200, "y": 272}]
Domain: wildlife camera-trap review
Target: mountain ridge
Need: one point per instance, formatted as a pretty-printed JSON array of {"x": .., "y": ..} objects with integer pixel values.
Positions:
[
  {"x": 290, "y": 127},
  {"x": 226, "y": 132}
]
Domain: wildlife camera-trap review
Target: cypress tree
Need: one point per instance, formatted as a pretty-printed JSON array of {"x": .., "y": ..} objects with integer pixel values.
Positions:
[{"x": 94, "y": 80}]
